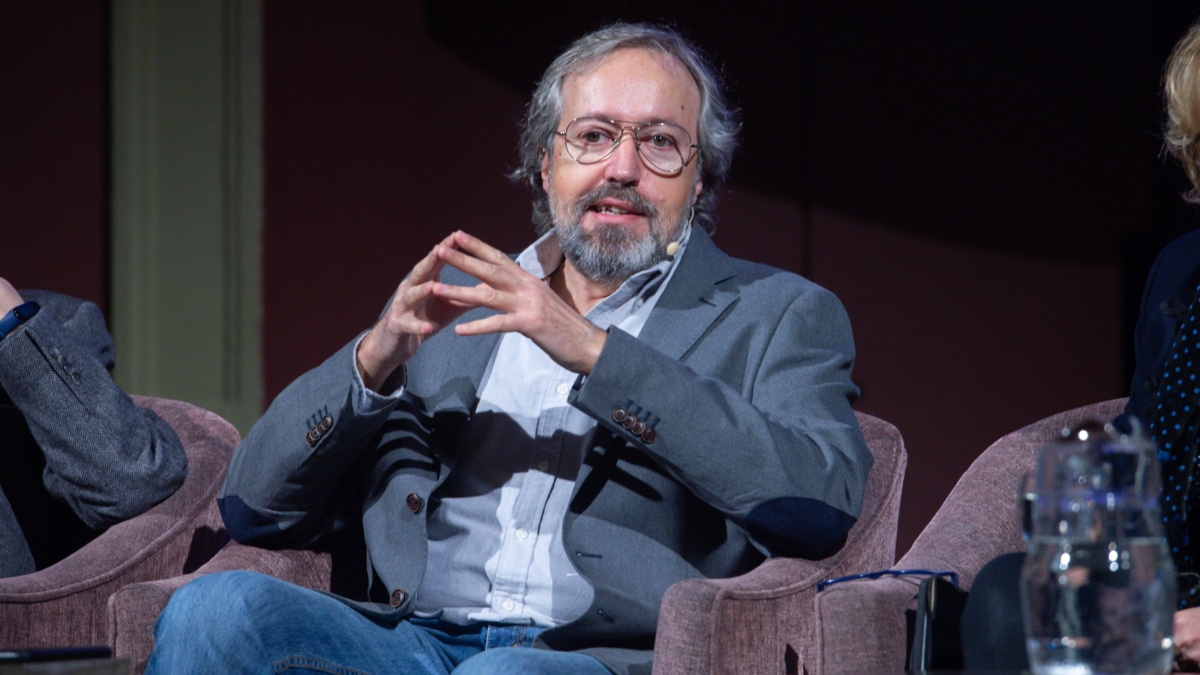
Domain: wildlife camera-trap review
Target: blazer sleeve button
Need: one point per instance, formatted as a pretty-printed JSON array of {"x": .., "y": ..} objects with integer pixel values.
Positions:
[
  {"x": 638, "y": 427},
  {"x": 397, "y": 598},
  {"x": 619, "y": 414},
  {"x": 413, "y": 502},
  {"x": 648, "y": 436}
]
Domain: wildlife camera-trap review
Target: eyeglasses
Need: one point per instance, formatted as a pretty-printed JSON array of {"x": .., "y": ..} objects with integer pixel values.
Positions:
[
  {"x": 667, "y": 148},
  {"x": 953, "y": 576}
]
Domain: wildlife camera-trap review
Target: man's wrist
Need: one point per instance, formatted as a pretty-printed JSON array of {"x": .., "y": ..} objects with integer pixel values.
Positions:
[
  {"x": 17, "y": 316},
  {"x": 366, "y": 372},
  {"x": 373, "y": 371}
]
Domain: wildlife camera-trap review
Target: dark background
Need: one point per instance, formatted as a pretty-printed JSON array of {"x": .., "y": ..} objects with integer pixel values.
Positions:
[{"x": 981, "y": 183}]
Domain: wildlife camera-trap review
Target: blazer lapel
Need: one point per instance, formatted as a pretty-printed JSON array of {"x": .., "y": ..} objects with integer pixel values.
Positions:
[
  {"x": 472, "y": 356},
  {"x": 693, "y": 299}
]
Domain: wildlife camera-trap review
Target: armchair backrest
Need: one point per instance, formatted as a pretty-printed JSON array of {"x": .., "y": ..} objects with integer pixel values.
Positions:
[
  {"x": 872, "y": 540},
  {"x": 861, "y": 624},
  {"x": 980, "y": 518}
]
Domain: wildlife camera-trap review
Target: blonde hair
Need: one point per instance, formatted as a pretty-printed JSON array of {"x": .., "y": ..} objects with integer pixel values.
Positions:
[{"x": 1181, "y": 90}]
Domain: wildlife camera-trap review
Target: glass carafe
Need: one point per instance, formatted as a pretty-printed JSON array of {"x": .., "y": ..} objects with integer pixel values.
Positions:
[{"x": 1098, "y": 584}]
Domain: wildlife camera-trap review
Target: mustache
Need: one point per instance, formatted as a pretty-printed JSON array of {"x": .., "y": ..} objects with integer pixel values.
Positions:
[{"x": 622, "y": 193}]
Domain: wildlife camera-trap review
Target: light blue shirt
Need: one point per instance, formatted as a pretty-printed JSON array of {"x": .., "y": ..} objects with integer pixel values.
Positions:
[{"x": 495, "y": 525}]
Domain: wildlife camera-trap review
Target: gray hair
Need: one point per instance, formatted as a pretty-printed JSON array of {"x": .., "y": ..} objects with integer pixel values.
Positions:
[{"x": 718, "y": 124}]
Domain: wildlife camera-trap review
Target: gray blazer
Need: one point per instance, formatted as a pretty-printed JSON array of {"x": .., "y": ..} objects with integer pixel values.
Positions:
[
  {"x": 742, "y": 372},
  {"x": 79, "y": 456}
]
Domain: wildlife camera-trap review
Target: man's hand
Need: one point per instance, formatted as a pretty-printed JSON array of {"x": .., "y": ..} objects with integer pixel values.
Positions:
[
  {"x": 9, "y": 297},
  {"x": 526, "y": 304},
  {"x": 1187, "y": 639},
  {"x": 413, "y": 315}
]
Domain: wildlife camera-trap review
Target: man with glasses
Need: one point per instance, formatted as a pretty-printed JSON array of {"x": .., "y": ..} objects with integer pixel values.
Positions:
[{"x": 539, "y": 447}]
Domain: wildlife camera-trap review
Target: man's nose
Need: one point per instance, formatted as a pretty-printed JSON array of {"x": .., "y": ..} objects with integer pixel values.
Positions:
[{"x": 624, "y": 165}]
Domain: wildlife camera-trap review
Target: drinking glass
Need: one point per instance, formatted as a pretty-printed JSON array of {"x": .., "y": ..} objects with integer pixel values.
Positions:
[{"x": 1098, "y": 584}]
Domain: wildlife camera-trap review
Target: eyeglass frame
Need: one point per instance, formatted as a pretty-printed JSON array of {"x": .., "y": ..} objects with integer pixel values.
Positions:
[
  {"x": 633, "y": 128},
  {"x": 949, "y": 574}
]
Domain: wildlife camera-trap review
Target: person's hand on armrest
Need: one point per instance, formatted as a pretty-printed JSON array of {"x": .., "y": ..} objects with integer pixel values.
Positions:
[{"x": 1187, "y": 639}]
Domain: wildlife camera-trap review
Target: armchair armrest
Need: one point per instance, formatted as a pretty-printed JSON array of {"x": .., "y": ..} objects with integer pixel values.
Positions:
[
  {"x": 748, "y": 624},
  {"x": 133, "y": 609},
  {"x": 861, "y": 624},
  {"x": 763, "y": 621},
  {"x": 173, "y": 537}
]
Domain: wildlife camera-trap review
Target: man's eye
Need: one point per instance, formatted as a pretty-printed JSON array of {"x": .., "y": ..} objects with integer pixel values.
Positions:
[
  {"x": 661, "y": 141},
  {"x": 593, "y": 136}
]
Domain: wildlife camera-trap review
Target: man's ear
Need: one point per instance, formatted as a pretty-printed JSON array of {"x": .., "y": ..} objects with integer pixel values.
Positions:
[{"x": 545, "y": 171}]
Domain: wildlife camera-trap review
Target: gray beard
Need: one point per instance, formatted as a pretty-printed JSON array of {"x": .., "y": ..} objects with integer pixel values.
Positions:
[{"x": 610, "y": 254}]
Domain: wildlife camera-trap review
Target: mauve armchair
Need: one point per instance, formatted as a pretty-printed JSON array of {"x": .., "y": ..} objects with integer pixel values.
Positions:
[
  {"x": 861, "y": 624},
  {"x": 66, "y": 603},
  {"x": 706, "y": 626}
]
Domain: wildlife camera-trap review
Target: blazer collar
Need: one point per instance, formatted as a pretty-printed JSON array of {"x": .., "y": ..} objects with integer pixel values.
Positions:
[{"x": 693, "y": 300}]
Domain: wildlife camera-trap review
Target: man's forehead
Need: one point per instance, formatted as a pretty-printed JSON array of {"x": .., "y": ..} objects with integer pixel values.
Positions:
[
  {"x": 637, "y": 71},
  {"x": 666, "y": 59}
]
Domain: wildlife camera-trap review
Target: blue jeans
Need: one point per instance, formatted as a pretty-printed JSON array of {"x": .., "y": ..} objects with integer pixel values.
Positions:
[{"x": 245, "y": 622}]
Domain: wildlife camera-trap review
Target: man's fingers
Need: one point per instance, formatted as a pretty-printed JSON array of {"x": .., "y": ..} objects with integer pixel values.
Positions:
[
  {"x": 415, "y": 295},
  {"x": 479, "y": 248},
  {"x": 473, "y": 256},
  {"x": 496, "y": 323},
  {"x": 414, "y": 326},
  {"x": 430, "y": 267},
  {"x": 479, "y": 268},
  {"x": 480, "y": 295}
]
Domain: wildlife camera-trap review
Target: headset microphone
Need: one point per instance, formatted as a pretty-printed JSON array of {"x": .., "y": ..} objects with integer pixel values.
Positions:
[{"x": 673, "y": 247}]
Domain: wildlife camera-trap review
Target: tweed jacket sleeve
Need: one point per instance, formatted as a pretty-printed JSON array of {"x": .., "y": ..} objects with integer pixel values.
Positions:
[{"x": 106, "y": 458}]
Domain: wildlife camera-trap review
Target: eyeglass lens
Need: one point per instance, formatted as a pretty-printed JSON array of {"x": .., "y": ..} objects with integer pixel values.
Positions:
[{"x": 591, "y": 139}]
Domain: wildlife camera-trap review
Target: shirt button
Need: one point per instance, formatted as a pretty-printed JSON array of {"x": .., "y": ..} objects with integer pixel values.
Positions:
[
  {"x": 563, "y": 389},
  {"x": 508, "y": 605},
  {"x": 522, "y": 534},
  {"x": 543, "y": 465}
]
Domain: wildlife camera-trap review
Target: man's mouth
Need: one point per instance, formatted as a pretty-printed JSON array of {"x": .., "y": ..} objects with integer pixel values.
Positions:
[
  {"x": 616, "y": 202},
  {"x": 613, "y": 210}
]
